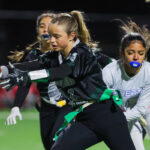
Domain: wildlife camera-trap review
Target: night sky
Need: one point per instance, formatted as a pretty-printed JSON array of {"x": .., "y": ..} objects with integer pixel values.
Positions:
[{"x": 18, "y": 21}]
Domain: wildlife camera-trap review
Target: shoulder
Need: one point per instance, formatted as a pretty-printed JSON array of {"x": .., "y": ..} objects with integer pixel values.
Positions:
[
  {"x": 35, "y": 52},
  {"x": 111, "y": 73},
  {"x": 80, "y": 52},
  {"x": 146, "y": 68},
  {"x": 112, "y": 70},
  {"x": 113, "y": 66},
  {"x": 82, "y": 48},
  {"x": 146, "y": 64},
  {"x": 32, "y": 54}
]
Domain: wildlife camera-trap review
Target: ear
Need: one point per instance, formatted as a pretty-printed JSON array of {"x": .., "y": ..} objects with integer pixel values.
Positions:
[{"x": 72, "y": 36}]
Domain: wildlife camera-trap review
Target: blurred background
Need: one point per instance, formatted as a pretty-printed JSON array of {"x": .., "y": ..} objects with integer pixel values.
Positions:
[
  {"x": 17, "y": 30},
  {"x": 18, "y": 21},
  {"x": 18, "y": 24}
]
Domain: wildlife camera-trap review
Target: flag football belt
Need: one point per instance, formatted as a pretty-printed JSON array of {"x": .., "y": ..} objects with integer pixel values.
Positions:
[
  {"x": 59, "y": 103},
  {"x": 107, "y": 95}
]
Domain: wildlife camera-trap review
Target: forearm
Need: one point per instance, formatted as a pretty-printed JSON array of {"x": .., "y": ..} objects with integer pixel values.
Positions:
[
  {"x": 133, "y": 114},
  {"x": 52, "y": 74},
  {"x": 138, "y": 110},
  {"x": 26, "y": 66},
  {"x": 21, "y": 94},
  {"x": 142, "y": 103}
]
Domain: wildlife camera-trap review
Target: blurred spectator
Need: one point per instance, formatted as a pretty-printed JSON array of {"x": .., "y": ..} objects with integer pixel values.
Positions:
[{"x": 7, "y": 98}]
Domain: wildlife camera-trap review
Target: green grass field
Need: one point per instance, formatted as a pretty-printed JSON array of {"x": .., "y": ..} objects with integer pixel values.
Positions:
[{"x": 26, "y": 134}]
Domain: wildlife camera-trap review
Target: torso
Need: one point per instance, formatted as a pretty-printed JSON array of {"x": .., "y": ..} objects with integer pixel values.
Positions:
[{"x": 130, "y": 88}]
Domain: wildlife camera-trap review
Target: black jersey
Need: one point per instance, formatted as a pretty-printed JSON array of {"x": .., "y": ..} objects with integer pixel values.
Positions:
[
  {"x": 23, "y": 91},
  {"x": 102, "y": 58},
  {"x": 38, "y": 60},
  {"x": 31, "y": 55},
  {"x": 79, "y": 77}
]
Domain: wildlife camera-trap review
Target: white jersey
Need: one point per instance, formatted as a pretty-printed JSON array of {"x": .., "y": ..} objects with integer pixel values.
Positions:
[{"x": 135, "y": 90}]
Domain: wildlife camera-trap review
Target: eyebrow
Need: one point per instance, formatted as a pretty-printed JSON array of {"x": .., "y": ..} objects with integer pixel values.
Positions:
[
  {"x": 134, "y": 50},
  {"x": 56, "y": 34},
  {"x": 42, "y": 24}
]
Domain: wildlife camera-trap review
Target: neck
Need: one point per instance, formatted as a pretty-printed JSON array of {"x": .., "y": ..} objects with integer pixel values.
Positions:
[{"x": 67, "y": 50}]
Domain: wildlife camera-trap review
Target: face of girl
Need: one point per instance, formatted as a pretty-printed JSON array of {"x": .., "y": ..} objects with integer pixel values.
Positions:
[
  {"x": 60, "y": 40},
  {"x": 134, "y": 52},
  {"x": 43, "y": 26}
]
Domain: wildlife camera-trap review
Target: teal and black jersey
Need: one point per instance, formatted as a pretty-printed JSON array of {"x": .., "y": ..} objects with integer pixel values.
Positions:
[
  {"x": 102, "y": 58},
  {"x": 23, "y": 91},
  {"x": 86, "y": 73},
  {"x": 35, "y": 59},
  {"x": 79, "y": 77}
]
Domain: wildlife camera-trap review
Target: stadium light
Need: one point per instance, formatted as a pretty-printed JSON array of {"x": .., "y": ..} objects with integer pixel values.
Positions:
[{"x": 147, "y": 1}]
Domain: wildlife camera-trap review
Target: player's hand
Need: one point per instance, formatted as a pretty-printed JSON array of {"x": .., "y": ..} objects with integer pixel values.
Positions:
[
  {"x": 11, "y": 119},
  {"x": 3, "y": 72},
  {"x": 18, "y": 77}
]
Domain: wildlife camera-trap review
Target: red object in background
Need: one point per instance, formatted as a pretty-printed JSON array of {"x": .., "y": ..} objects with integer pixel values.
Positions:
[
  {"x": 34, "y": 90},
  {"x": 33, "y": 96},
  {"x": 2, "y": 92},
  {"x": 7, "y": 98}
]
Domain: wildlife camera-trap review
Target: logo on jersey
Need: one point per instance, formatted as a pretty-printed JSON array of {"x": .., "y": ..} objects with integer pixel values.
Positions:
[
  {"x": 130, "y": 93},
  {"x": 72, "y": 57}
]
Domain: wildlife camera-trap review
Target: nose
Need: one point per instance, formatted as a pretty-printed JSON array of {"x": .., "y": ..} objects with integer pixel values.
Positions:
[
  {"x": 52, "y": 39},
  {"x": 45, "y": 31},
  {"x": 136, "y": 56}
]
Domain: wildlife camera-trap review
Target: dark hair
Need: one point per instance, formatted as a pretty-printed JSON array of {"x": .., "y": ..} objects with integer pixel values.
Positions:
[
  {"x": 43, "y": 15},
  {"x": 133, "y": 32},
  {"x": 129, "y": 38}
]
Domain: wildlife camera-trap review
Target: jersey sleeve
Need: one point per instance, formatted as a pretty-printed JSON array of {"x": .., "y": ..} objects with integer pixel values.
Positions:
[
  {"x": 78, "y": 65},
  {"x": 21, "y": 94},
  {"x": 53, "y": 73},
  {"x": 27, "y": 63},
  {"x": 27, "y": 66},
  {"x": 22, "y": 91},
  {"x": 46, "y": 60}
]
